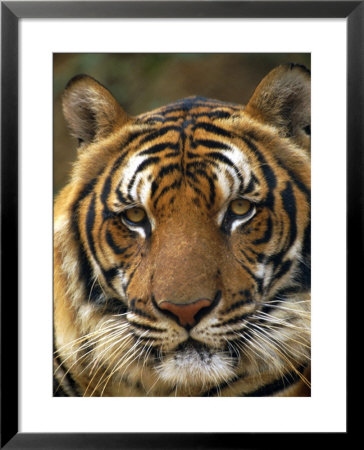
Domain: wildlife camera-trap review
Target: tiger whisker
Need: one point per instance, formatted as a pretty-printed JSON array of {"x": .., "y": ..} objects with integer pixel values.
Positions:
[
  {"x": 78, "y": 360},
  {"x": 91, "y": 289},
  {"x": 268, "y": 319},
  {"x": 283, "y": 356},
  {"x": 125, "y": 340},
  {"x": 245, "y": 349},
  {"x": 274, "y": 341},
  {"x": 303, "y": 342},
  {"x": 112, "y": 338},
  {"x": 144, "y": 362},
  {"x": 123, "y": 361},
  {"x": 86, "y": 336},
  {"x": 88, "y": 344},
  {"x": 104, "y": 335}
]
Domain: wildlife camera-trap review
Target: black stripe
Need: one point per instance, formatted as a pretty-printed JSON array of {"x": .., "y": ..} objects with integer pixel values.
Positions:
[
  {"x": 159, "y": 133},
  {"x": 147, "y": 327},
  {"x": 84, "y": 193},
  {"x": 251, "y": 186},
  {"x": 114, "y": 306},
  {"x": 231, "y": 321},
  {"x": 131, "y": 276},
  {"x": 215, "y": 114},
  {"x": 199, "y": 193},
  {"x": 209, "y": 143},
  {"x": 110, "y": 274},
  {"x": 200, "y": 162},
  {"x": 165, "y": 170},
  {"x": 93, "y": 291},
  {"x": 301, "y": 186},
  {"x": 159, "y": 148},
  {"x": 133, "y": 136},
  {"x": 196, "y": 164},
  {"x": 256, "y": 279},
  {"x": 304, "y": 268},
  {"x": 105, "y": 192},
  {"x": 269, "y": 175},
  {"x": 176, "y": 184},
  {"x": 275, "y": 259},
  {"x": 120, "y": 196},
  {"x": 284, "y": 268},
  {"x": 212, "y": 129},
  {"x": 58, "y": 389},
  {"x": 248, "y": 258},
  {"x": 110, "y": 241},
  {"x": 90, "y": 221},
  {"x": 140, "y": 312},
  {"x": 264, "y": 391},
  {"x": 171, "y": 155},
  {"x": 217, "y": 389},
  {"x": 237, "y": 305},
  {"x": 267, "y": 234},
  {"x": 278, "y": 385},
  {"x": 220, "y": 157},
  {"x": 210, "y": 180},
  {"x": 289, "y": 204}
]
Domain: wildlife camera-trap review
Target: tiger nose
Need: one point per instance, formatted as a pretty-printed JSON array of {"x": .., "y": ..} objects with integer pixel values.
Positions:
[{"x": 187, "y": 314}]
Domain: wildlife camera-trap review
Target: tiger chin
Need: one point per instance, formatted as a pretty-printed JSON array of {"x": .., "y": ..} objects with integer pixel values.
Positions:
[{"x": 182, "y": 245}]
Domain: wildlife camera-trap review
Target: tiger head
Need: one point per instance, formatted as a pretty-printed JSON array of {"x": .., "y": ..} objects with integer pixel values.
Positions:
[{"x": 182, "y": 243}]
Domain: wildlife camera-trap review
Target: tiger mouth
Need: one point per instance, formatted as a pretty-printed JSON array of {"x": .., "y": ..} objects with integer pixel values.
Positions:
[
  {"x": 194, "y": 348},
  {"x": 191, "y": 346}
]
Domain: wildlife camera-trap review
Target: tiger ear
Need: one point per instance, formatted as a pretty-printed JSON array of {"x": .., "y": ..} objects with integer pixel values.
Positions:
[
  {"x": 90, "y": 110},
  {"x": 283, "y": 100}
]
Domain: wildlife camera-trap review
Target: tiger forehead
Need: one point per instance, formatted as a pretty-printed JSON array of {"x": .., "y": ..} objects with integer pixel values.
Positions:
[{"x": 184, "y": 144}]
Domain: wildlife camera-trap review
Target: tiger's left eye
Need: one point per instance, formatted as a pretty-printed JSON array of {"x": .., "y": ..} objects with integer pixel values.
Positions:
[
  {"x": 240, "y": 207},
  {"x": 135, "y": 215}
]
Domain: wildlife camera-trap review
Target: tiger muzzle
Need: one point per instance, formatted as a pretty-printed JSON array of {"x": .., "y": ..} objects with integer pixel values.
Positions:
[{"x": 185, "y": 258}]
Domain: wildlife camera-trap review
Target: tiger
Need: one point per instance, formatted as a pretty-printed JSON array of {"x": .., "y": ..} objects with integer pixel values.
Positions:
[{"x": 182, "y": 245}]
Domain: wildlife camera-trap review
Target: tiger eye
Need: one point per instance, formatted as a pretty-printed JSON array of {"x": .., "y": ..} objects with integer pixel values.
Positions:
[
  {"x": 240, "y": 206},
  {"x": 135, "y": 215}
]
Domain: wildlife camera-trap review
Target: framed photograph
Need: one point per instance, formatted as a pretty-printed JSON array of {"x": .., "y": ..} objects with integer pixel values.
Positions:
[{"x": 157, "y": 219}]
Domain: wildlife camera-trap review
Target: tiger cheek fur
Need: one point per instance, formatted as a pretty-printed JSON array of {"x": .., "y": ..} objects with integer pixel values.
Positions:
[{"x": 182, "y": 245}]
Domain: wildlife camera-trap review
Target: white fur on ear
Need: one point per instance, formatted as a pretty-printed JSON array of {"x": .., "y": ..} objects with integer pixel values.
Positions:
[
  {"x": 283, "y": 100},
  {"x": 90, "y": 110}
]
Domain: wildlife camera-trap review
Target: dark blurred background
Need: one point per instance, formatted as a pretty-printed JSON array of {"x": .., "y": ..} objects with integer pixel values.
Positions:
[{"x": 141, "y": 82}]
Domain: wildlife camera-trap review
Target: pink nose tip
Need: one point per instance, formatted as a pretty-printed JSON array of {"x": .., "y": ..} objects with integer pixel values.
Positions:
[{"x": 186, "y": 312}]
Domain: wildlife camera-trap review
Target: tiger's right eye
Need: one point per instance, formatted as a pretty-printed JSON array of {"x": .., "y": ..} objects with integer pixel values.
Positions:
[
  {"x": 240, "y": 206},
  {"x": 239, "y": 211},
  {"x": 135, "y": 215}
]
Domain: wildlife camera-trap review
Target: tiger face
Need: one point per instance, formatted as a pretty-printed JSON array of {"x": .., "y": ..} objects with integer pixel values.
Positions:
[{"x": 182, "y": 245}]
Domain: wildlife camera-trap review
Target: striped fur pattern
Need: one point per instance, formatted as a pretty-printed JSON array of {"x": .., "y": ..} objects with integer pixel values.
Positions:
[{"x": 182, "y": 246}]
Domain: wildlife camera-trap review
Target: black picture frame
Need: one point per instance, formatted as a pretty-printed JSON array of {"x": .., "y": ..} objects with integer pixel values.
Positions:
[{"x": 11, "y": 13}]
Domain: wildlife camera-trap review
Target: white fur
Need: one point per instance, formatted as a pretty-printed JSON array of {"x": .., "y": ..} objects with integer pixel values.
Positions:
[{"x": 191, "y": 368}]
